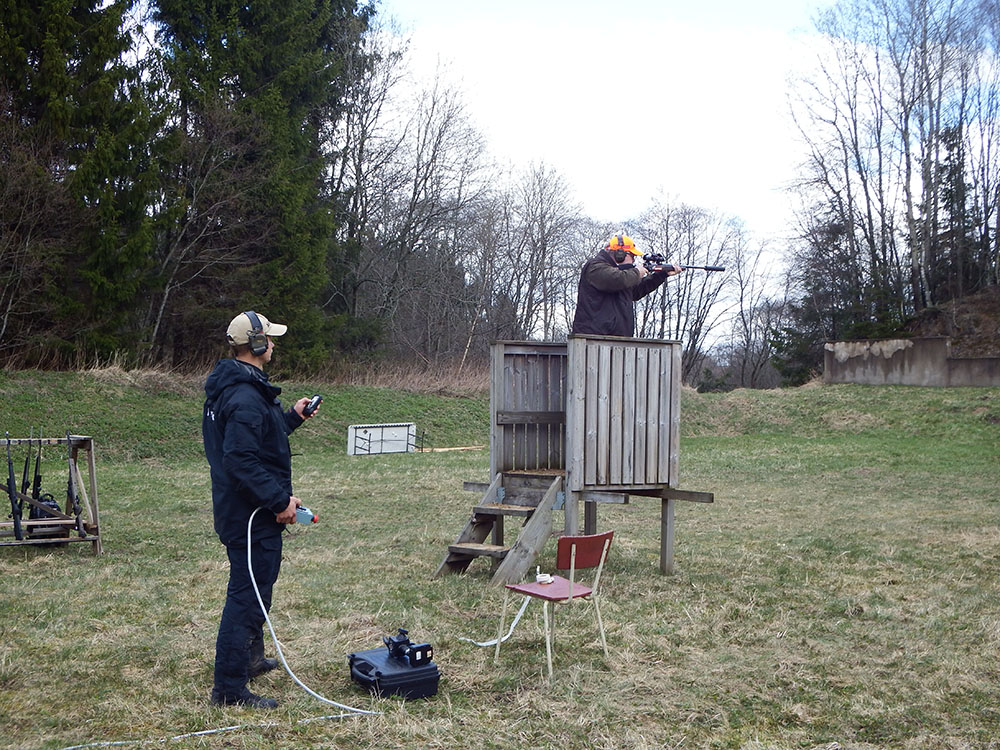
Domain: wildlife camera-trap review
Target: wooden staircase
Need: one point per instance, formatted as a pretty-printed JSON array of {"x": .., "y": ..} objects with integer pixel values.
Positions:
[{"x": 528, "y": 495}]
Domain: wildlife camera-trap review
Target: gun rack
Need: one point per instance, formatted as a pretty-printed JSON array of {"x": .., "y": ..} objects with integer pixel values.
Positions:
[{"x": 56, "y": 527}]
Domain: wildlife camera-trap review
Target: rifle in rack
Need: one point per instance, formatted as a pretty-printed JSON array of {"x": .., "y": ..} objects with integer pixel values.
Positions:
[
  {"x": 36, "y": 482},
  {"x": 43, "y": 504},
  {"x": 15, "y": 504},
  {"x": 27, "y": 466},
  {"x": 72, "y": 495}
]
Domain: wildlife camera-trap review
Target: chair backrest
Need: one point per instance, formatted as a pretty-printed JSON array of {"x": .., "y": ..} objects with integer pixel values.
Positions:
[{"x": 589, "y": 550}]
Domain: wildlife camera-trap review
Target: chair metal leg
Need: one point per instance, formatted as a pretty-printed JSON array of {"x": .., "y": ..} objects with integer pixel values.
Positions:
[
  {"x": 600, "y": 626},
  {"x": 548, "y": 636},
  {"x": 503, "y": 616}
]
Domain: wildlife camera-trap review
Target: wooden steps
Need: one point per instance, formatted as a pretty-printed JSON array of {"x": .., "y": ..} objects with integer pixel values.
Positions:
[
  {"x": 528, "y": 497},
  {"x": 477, "y": 549},
  {"x": 504, "y": 510}
]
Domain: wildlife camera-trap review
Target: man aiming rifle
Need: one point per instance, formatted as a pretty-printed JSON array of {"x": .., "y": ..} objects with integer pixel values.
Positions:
[{"x": 610, "y": 284}]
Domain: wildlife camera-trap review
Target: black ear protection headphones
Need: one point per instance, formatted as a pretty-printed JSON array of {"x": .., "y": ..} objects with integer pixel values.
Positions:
[
  {"x": 619, "y": 255},
  {"x": 256, "y": 338}
]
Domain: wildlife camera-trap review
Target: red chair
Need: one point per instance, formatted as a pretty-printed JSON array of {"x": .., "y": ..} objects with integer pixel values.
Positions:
[{"x": 573, "y": 553}]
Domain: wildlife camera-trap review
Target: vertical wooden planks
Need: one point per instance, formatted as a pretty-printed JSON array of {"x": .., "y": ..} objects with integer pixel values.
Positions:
[
  {"x": 665, "y": 418},
  {"x": 526, "y": 432},
  {"x": 624, "y": 427},
  {"x": 527, "y": 377},
  {"x": 603, "y": 413},
  {"x": 629, "y": 416},
  {"x": 675, "y": 417},
  {"x": 558, "y": 399},
  {"x": 652, "y": 417},
  {"x": 510, "y": 431},
  {"x": 620, "y": 401},
  {"x": 590, "y": 415},
  {"x": 641, "y": 398},
  {"x": 616, "y": 409},
  {"x": 497, "y": 364},
  {"x": 542, "y": 452},
  {"x": 576, "y": 426}
]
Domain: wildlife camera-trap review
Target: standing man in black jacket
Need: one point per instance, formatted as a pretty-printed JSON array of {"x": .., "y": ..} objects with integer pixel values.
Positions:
[
  {"x": 246, "y": 431},
  {"x": 610, "y": 283}
]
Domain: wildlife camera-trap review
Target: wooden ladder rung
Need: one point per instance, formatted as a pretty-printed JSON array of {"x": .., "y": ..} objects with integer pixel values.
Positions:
[
  {"x": 478, "y": 549},
  {"x": 504, "y": 510},
  {"x": 49, "y": 540}
]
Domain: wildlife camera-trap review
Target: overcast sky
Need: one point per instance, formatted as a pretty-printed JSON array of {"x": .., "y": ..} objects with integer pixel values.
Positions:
[{"x": 632, "y": 98}]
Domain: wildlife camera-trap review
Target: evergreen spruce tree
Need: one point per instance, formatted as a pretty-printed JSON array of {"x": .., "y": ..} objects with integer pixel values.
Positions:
[
  {"x": 76, "y": 105},
  {"x": 271, "y": 70}
]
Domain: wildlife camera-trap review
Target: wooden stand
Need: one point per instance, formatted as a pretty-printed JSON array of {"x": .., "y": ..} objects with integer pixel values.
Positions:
[
  {"x": 65, "y": 526},
  {"x": 600, "y": 413}
]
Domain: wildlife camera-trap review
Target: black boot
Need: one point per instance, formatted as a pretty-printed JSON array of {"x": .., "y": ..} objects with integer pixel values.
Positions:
[
  {"x": 259, "y": 664},
  {"x": 245, "y": 698}
]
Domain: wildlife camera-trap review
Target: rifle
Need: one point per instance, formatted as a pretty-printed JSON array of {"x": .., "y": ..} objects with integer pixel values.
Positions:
[
  {"x": 27, "y": 467},
  {"x": 72, "y": 496},
  {"x": 15, "y": 506},
  {"x": 656, "y": 262},
  {"x": 36, "y": 482},
  {"x": 43, "y": 505}
]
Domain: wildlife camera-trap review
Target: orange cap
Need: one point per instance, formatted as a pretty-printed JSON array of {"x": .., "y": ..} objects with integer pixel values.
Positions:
[{"x": 622, "y": 242}]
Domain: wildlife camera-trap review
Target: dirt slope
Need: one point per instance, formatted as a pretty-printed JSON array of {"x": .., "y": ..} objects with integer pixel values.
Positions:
[{"x": 973, "y": 323}]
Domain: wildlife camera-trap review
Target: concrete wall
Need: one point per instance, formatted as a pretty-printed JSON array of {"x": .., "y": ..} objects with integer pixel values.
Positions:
[
  {"x": 974, "y": 371},
  {"x": 916, "y": 361}
]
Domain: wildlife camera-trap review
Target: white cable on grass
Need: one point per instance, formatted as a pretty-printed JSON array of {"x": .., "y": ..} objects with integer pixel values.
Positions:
[
  {"x": 220, "y": 730},
  {"x": 510, "y": 632},
  {"x": 277, "y": 644},
  {"x": 120, "y": 743},
  {"x": 351, "y": 711}
]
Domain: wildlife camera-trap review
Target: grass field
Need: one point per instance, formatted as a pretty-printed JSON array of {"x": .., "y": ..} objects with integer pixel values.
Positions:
[{"x": 842, "y": 592}]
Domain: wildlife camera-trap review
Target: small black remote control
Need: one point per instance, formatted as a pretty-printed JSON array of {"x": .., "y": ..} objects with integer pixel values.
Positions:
[{"x": 311, "y": 406}]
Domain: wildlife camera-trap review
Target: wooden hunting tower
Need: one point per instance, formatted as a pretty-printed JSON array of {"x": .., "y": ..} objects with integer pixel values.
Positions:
[{"x": 595, "y": 419}]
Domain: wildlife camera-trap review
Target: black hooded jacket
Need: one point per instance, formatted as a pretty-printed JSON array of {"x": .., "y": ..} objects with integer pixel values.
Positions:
[
  {"x": 246, "y": 434},
  {"x": 605, "y": 298}
]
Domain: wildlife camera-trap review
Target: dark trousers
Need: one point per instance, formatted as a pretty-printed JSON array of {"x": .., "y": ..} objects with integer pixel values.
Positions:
[{"x": 242, "y": 620}]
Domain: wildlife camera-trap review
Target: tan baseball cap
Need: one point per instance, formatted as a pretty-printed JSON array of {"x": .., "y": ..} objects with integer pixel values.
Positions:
[{"x": 242, "y": 327}]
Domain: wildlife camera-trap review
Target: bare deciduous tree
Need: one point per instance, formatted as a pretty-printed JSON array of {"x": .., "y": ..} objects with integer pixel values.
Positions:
[
  {"x": 900, "y": 118},
  {"x": 757, "y": 315},
  {"x": 208, "y": 220},
  {"x": 691, "y": 305}
]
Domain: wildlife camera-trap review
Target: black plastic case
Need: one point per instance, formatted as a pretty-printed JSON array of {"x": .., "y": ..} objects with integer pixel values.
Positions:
[{"x": 376, "y": 670}]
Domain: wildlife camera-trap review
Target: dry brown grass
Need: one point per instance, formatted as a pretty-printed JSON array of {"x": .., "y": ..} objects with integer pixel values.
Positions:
[
  {"x": 449, "y": 378},
  {"x": 445, "y": 379},
  {"x": 150, "y": 379}
]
